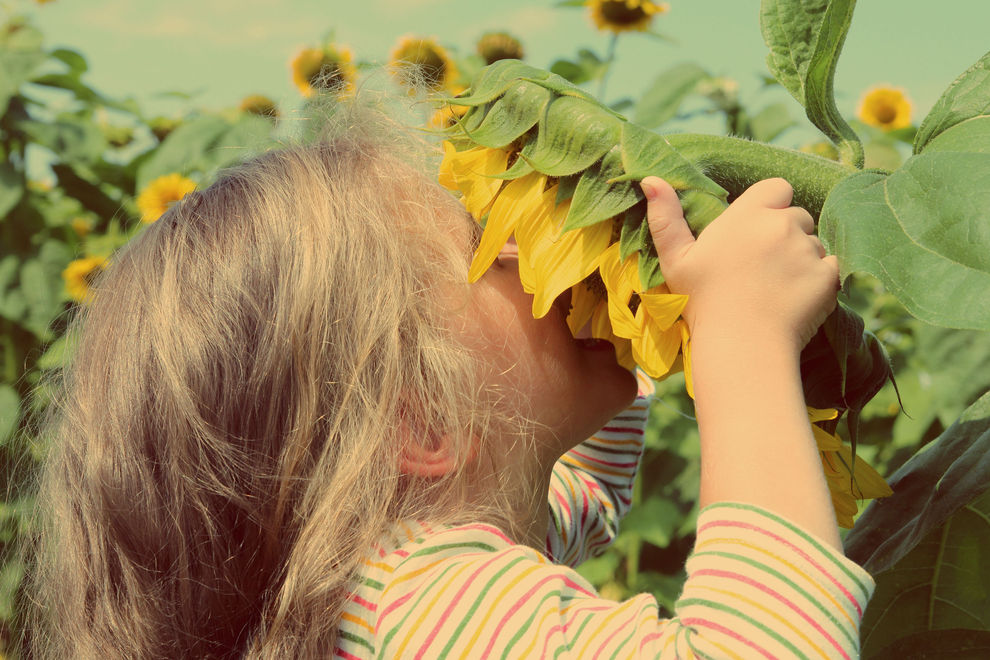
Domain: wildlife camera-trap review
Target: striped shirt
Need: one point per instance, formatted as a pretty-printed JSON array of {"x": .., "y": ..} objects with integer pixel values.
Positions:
[{"x": 758, "y": 586}]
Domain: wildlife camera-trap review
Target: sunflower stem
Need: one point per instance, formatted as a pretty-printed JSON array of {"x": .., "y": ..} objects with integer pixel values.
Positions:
[
  {"x": 609, "y": 59},
  {"x": 736, "y": 163}
]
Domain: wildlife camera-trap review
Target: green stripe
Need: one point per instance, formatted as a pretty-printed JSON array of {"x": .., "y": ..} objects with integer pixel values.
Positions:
[
  {"x": 715, "y": 605},
  {"x": 828, "y": 613},
  {"x": 628, "y": 638},
  {"x": 434, "y": 549},
  {"x": 828, "y": 551},
  {"x": 357, "y": 640},
  {"x": 556, "y": 593},
  {"x": 477, "y": 603},
  {"x": 374, "y": 584},
  {"x": 422, "y": 594},
  {"x": 577, "y": 635}
]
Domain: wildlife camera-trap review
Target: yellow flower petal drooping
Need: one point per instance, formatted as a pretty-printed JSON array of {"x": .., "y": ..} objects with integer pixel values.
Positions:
[
  {"x": 79, "y": 274},
  {"x": 470, "y": 172},
  {"x": 555, "y": 260},
  {"x": 422, "y": 63},
  {"x": 885, "y": 107},
  {"x": 517, "y": 202},
  {"x": 625, "y": 15},
  {"x": 161, "y": 193},
  {"x": 330, "y": 69},
  {"x": 651, "y": 327},
  {"x": 845, "y": 483},
  {"x": 495, "y": 46},
  {"x": 448, "y": 114},
  {"x": 259, "y": 104}
]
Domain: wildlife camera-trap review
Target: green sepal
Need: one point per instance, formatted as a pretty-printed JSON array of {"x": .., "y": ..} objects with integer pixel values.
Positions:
[
  {"x": 520, "y": 168},
  {"x": 495, "y": 79},
  {"x": 635, "y": 230},
  {"x": 572, "y": 135},
  {"x": 510, "y": 116},
  {"x": 566, "y": 186},
  {"x": 649, "y": 267},
  {"x": 598, "y": 196},
  {"x": 700, "y": 208}
]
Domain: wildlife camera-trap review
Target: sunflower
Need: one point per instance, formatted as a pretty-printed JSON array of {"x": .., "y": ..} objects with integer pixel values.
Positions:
[
  {"x": 495, "y": 46},
  {"x": 329, "y": 69},
  {"x": 161, "y": 127},
  {"x": 422, "y": 63},
  {"x": 161, "y": 193},
  {"x": 79, "y": 275},
  {"x": 838, "y": 462},
  {"x": 81, "y": 226},
  {"x": 624, "y": 15},
  {"x": 259, "y": 104},
  {"x": 885, "y": 107}
]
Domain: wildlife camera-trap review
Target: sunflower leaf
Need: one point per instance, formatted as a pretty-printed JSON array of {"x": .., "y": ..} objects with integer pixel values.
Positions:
[
  {"x": 649, "y": 267},
  {"x": 495, "y": 79},
  {"x": 572, "y": 135},
  {"x": 511, "y": 115},
  {"x": 598, "y": 196},
  {"x": 966, "y": 99},
  {"x": 660, "y": 102},
  {"x": 634, "y": 225},
  {"x": 924, "y": 231},
  {"x": 805, "y": 39}
]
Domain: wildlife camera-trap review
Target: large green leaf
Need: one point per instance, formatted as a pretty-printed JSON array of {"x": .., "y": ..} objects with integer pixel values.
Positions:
[
  {"x": 936, "y": 483},
  {"x": 664, "y": 96},
  {"x": 967, "y": 98},
  {"x": 20, "y": 55},
  {"x": 805, "y": 38},
  {"x": 72, "y": 138},
  {"x": 510, "y": 115},
  {"x": 573, "y": 134},
  {"x": 11, "y": 188},
  {"x": 924, "y": 231},
  {"x": 183, "y": 150}
]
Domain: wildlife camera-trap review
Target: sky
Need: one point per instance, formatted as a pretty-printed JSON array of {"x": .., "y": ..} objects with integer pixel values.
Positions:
[{"x": 222, "y": 50}]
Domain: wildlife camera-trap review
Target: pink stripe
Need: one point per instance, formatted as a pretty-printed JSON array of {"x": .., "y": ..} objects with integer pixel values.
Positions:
[
  {"x": 344, "y": 654},
  {"x": 774, "y": 594},
  {"x": 562, "y": 627},
  {"x": 705, "y": 623},
  {"x": 398, "y": 602},
  {"x": 453, "y": 604},
  {"x": 368, "y": 605},
  {"x": 802, "y": 553},
  {"x": 616, "y": 630},
  {"x": 597, "y": 461},
  {"x": 515, "y": 607}
]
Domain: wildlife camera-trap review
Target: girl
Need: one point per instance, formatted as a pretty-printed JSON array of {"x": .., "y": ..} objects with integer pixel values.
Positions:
[{"x": 289, "y": 428}]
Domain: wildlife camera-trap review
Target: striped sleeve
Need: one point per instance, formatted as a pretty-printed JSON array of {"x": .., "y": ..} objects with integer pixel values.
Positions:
[
  {"x": 757, "y": 587},
  {"x": 591, "y": 487}
]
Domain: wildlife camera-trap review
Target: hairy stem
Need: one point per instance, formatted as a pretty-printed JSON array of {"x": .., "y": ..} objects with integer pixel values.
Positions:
[{"x": 735, "y": 164}]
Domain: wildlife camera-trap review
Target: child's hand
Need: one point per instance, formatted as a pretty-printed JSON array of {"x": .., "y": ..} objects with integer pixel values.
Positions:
[{"x": 757, "y": 268}]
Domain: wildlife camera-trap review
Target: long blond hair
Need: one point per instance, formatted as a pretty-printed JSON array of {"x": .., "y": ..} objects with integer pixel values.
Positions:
[{"x": 223, "y": 440}]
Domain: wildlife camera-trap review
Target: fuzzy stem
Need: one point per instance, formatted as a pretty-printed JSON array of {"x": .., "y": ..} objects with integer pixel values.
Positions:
[{"x": 735, "y": 164}]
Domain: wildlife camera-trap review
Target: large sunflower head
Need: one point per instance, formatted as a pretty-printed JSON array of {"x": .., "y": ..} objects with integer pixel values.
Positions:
[
  {"x": 330, "y": 69},
  {"x": 495, "y": 46},
  {"x": 624, "y": 15},
  {"x": 885, "y": 107},
  {"x": 161, "y": 193},
  {"x": 422, "y": 63},
  {"x": 79, "y": 275}
]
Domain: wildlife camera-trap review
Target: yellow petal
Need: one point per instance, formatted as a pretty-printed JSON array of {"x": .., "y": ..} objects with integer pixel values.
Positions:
[
  {"x": 656, "y": 349},
  {"x": 529, "y": 232},
  {"x": 826, "y": 441},
  {"x": 471, "y": 171},
  {"x": 584, "y": 301},
  {"x": 517, "y": 201},
  {"x": 821, "y": 414},
  {"x": 446, "y": 175},
  {"x": 664, "y": 308},
  {"x": 621, "y": 279},
  {"x": 565, "y": 259}
]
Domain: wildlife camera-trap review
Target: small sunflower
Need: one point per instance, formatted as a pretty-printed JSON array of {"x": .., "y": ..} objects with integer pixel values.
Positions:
[
  {"x": 81, "y": 226},
  {"x": 161, "y": 127},
  {"x": 495, "y": 46},
  {"x": 161, "y": 193},
  {"x": 330, "y": 68},
  {"x": 259, "y": 104},
  {"x": 624, "y": 15},
  {"x": 885, "y": 107},
  {"x": 422, "y": 63},
  {"x": 79, "y": 275}
]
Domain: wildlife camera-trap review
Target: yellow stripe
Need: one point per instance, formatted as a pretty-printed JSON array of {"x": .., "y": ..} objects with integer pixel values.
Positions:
[
  {"x": 601, "y": 626},
  {"x": 493, "y": 607},
  {"x": 767, "y": 610},
  {"x": 380, "y": 565},
  {"x": 429, "y": 609},
  {"x": 347, "y": 616},
  {"x": 818, "y": 586}
]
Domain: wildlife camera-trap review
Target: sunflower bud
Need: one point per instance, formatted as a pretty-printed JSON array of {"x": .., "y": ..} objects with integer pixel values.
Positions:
[
  {"x": 258, "y": 104},
  {"x": 495, "y": 46}
]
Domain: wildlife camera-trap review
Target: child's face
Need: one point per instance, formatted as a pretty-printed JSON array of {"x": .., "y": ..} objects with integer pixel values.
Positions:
[{"x": 570, "y": 387}]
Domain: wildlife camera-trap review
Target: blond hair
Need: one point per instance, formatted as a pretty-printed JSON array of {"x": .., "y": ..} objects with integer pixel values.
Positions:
[{"x": 224, "y": 439}]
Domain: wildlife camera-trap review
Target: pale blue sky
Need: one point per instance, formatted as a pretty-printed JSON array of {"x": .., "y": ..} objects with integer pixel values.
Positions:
[{"x": 225, "y": 49}]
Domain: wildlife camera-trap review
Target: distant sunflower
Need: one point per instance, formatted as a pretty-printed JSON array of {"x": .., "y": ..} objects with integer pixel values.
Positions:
[
  {"x": 161, "y": 193},
  {"x": 885, "y": 107},
  {"x": 422, "y": 63},
  {"x": 495, "y": 46},
  {"x": 624, "y": 15},
  {"x": 330, "y": 68},
  {"x": 79, "y": 275},
  {"x": 259, "y": 104}
]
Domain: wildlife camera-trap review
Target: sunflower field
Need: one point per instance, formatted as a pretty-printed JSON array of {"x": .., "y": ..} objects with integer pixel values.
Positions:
[{"x": 897, "y": 380}]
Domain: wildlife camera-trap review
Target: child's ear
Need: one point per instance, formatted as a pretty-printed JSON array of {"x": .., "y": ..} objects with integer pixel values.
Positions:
[{"x": 428, "y": 458}]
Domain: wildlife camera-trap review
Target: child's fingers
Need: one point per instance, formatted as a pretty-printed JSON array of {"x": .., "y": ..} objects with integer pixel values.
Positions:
[
  {"x": 770, "y": 193},
  {"x": 670, "y": 231}
]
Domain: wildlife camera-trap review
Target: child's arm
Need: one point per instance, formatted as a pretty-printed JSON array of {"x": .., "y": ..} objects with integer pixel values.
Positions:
[
  {"x": 591, "y": 486},
  {"x": 759, "y": 285}
]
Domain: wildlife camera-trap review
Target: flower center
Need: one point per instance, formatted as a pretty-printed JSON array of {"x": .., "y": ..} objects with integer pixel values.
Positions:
[
  {"x": 328, "y": 75},
  {"x": 617, "y": 12},
  {"x": 886, "y": 113}
]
